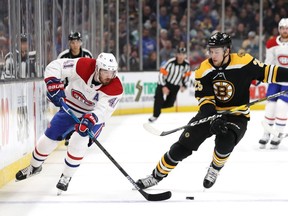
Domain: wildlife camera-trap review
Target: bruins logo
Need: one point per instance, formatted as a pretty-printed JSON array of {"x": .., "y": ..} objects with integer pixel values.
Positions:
[{"x": 223, "y": 90}]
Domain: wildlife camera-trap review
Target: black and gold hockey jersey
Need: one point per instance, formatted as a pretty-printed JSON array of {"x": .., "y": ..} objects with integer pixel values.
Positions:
[{"x": 228, "y": 86}]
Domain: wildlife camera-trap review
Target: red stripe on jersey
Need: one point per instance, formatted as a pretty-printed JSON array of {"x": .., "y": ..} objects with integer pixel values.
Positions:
[
  {"x": 271, "y": 43},
  {"x": 85, "y": 68},
  {"x": 113, "y": 88},
  {"x": 75, "y": 105}
]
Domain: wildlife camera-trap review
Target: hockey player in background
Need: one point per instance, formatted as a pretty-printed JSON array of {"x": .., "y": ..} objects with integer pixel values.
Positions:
[
  {"x": 92, "y": 93},
  {"x": 222, "y": 82},
  {"x": 276, "y": 110},
  {"x": 75, "y": 51}
]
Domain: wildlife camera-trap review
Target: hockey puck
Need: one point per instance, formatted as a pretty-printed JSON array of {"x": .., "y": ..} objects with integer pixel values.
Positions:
[{"x": 190, "y": 198}]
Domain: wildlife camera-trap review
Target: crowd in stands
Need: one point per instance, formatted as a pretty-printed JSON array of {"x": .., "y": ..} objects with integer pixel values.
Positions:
[
  {"x": 177, "y": 25},
  {"x": 241, "y": 22}
]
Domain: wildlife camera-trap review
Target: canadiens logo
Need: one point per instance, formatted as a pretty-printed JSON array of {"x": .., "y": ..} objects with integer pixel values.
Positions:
[
  {"x": 79, "y": 96},
  {"x": 283, "y": 60},
  {"x": 223, "y": 90}
]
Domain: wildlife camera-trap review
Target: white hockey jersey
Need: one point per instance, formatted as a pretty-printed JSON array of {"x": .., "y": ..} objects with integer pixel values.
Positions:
[
  {"x": 82, "y": 95},
  {"x": 277, "y": 53}
]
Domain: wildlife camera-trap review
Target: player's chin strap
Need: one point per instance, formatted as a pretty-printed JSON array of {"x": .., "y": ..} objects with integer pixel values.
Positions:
[
  {"x": 151, "y": 129},
  {"x": 150, "y": 197}
]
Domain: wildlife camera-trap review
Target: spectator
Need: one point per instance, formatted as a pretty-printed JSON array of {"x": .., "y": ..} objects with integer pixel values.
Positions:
[
  {"x": 230, "y": 21},
  {"x": 177, "y": 37},
  {"x": 149, "y": 44},
  {"x": 166, "y": 52},
  {"x": 25, "y": 66},
  {"x": 251, "y": 44},
  {"x": 164, "y": 18},
  {"x": 130, "y": 54},
  {"x": 151, "y": 63},
  {"x": 163, "y": 38}
]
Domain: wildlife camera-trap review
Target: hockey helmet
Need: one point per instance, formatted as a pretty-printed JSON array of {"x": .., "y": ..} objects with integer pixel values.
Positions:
[
  {"x": 283, "y": 23},
  {"x": 181, "y": 50},
  {"x": 219, "y": 40},
  {"x": 74, "y": 36},
  {"x": 107, "y": 61},
  {"x": 23, "y": 37}
]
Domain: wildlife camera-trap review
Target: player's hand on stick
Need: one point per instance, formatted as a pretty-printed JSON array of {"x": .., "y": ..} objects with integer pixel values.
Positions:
[
  {"x": 87, "y": 122},
  {"x": 55, "y": 90},
  {"x": 219, "y": 126}
]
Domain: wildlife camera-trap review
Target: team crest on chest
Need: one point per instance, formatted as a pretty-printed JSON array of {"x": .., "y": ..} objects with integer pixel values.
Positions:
[{"x": 223, "y": 90}]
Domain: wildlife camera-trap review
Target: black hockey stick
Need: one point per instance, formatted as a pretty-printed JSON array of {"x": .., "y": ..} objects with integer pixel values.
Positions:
[
  {"x": 150, "y": 197},
  {"x": 151, "y": 129}
]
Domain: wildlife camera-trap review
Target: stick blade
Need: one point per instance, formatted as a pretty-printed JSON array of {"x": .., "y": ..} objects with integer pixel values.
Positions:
[
  {"x": 157, "y": 197},
  {"x": 148, "y": 127}
]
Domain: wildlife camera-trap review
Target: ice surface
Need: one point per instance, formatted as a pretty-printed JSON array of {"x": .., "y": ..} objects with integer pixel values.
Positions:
[{"x": 253, "y": 181}]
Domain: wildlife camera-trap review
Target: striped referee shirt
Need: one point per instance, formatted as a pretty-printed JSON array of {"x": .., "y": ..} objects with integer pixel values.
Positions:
[
  {"x": 174, "y": 73},
  {"x": 68, "y": 54}
]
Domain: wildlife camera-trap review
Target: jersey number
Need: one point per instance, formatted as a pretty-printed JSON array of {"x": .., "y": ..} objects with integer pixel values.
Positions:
[{"x": 198, "y": 86}]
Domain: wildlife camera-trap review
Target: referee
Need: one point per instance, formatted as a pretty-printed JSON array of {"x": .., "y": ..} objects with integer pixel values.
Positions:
[
  {"x": 75, "y": 47},
  {"x": 173, "y": 76}
]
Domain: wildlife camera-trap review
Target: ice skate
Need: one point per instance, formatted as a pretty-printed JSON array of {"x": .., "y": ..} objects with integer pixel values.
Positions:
[
  {"x": 210, "y": 177},
  {"x": 264, "y": 140},
  {"x": 152, "y": 119},
  {"x": 63, "y": 184},
  {"x": 275, "y": 143},
  {"x": 27, "y": 172},
  {"x": 147, "y": 182}
]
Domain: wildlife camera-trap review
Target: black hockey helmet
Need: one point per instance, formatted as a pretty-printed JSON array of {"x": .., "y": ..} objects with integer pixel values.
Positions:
[
  {"x": 74, "y": 36},
  {"x": 219, "y": 40},
  {"x": 23, "y": 37},
  {"x": 181, "y": 50}
]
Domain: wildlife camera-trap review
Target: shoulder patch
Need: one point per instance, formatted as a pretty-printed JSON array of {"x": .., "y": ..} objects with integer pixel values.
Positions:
[
  {"x": 240, "y": 60},
  {"x": 271, "y": 42},
  {"x": 85, "y": 67},
  {"x": 203, "y": 69},
  {"x": 113, "y": 88}
]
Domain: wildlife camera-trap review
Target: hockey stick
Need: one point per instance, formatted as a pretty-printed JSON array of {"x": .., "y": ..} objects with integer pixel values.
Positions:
[
  {"x": 150, "y": 197},
  {"x": 273, "y": 131},
  {"x": 151, "y": 129}
]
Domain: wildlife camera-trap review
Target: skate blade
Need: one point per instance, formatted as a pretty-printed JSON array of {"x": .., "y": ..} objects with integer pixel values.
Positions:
[{"x": 59, "y": 192}]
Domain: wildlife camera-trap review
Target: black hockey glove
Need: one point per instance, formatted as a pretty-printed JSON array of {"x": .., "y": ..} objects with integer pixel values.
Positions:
[
  {"x": 87, "y": 122},
  {"x": 55, "y": 90},
  {"x": 219, "y": 126}
]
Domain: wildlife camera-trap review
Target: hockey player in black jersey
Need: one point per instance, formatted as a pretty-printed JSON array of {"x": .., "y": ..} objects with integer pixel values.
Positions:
[{"x": 221, "y": 83}]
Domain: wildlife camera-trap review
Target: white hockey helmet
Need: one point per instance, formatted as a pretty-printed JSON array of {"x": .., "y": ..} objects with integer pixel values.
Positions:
[
  {"x": 106, "y": 61},
  {"x": 283, "y": 23}
]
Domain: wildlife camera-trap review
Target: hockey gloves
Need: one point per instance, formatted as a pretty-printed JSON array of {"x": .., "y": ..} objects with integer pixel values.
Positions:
[
  {"x": 219, "y": 126},
  {"x": 87, "y": 122},
  {"x": 55, "y": 90}
]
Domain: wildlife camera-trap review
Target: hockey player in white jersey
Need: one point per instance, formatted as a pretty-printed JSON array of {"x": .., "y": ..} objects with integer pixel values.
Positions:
[
  {"x": 276, "y": 110},
  {"x": 93, "y": 93}
]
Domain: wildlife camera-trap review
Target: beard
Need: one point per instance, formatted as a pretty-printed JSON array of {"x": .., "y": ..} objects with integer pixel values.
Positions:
[{"x": 105, "y": 81}]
